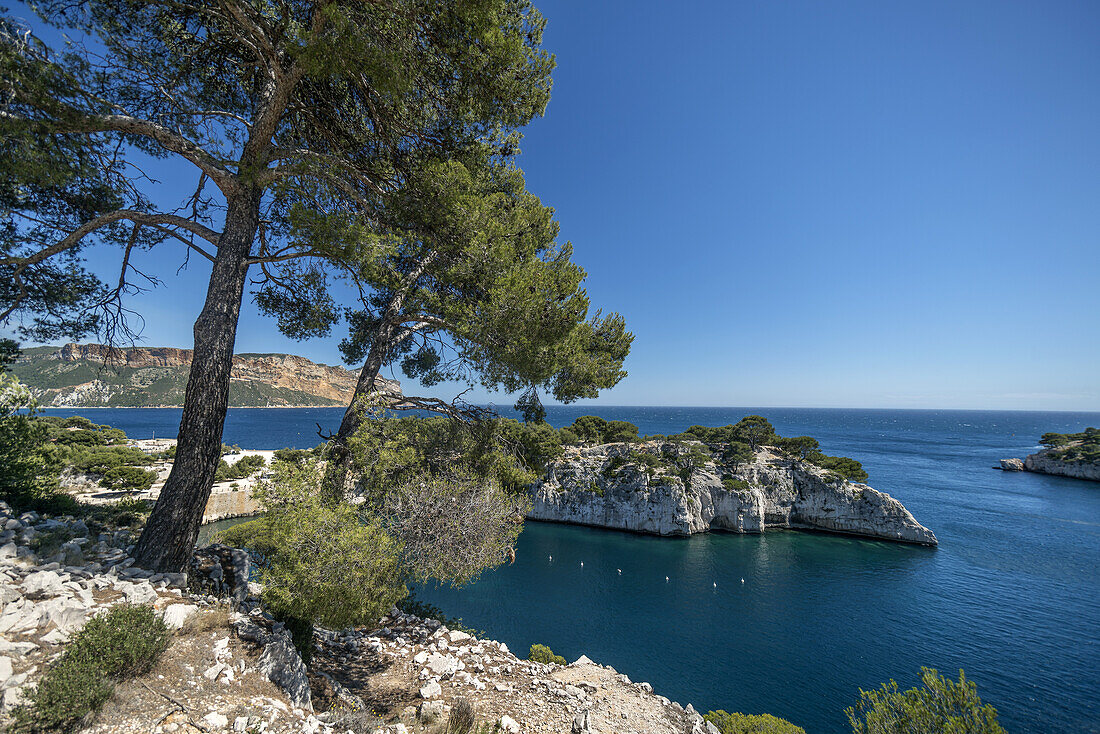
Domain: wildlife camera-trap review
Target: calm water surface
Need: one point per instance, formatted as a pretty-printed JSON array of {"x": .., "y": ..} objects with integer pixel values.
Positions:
[{"x": 1012, "y": 595}]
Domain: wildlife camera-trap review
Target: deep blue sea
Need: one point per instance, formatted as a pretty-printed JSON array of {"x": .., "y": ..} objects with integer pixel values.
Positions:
[{"x": 1012, "y": 594}]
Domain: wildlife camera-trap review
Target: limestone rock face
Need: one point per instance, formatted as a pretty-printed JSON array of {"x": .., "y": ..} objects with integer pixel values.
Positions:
[
  {"x": 1043, "y": 463},
  {"x": 605, "y": 486},
  {"x": 1012, "y": 465},
  {"x": 96, "y": 375}
]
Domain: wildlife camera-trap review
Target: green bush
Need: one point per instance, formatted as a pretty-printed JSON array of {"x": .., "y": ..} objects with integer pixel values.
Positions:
[
  {"x": 939, "y": 705},
  {"x": 244, "y": 467},
  {"x": 128, "y": 479},
  {"x": 849, "y": 469},
  {"x": 319, "y": 562},
  {"x": 735, "y": 484},
  {"x": 543, "y": 654},
  {"x": 124, "y": 642},
  {"x": 736, "y": 723},
  {"x": 620, "y": 431}
]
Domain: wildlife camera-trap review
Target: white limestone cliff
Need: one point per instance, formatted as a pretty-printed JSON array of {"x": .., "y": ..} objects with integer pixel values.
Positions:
[{"x": 590, "y": 486}]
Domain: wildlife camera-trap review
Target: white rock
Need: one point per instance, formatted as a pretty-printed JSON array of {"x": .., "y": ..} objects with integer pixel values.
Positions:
[
  {"x": 442, "y": 665},
  {"x": 456, "y": 637},
  {"x": 508, "y": 724},
  {"x": 215, "y": 720},
  {"x": 177, "y": 615},
  {"x": 42, "y": 582},
  {"x": 5, "y": 671},
  {"x": 431, "y": 689},
  {"x": 420, "y": 657},
  {"x": 240, "y": 724},
  {"x": 141, "y": 593},
  {"x": 9, "y": 550},
  {"x": 583, "y": 660}
]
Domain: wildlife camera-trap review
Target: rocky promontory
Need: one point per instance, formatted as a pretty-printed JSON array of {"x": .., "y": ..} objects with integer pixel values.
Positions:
[
  {"x": 1074, "y": 455},
  {"x": 1046, "y": 462},
  {"x": 681, "y": 488}
]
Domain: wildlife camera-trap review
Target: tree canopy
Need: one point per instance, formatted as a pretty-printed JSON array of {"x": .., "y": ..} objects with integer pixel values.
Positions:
[{"x": 366, "y": 141}]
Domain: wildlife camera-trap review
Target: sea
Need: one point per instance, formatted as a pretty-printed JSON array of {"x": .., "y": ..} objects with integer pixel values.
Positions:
[{"x": 796, "y": 623}]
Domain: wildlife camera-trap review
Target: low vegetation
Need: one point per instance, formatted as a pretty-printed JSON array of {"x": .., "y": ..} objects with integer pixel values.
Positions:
[
  {"x": 242, "y": 468},
  {"x": 939, "y": 705},
  {"x": 736, "y": 723},
  {"x": 1083, "y": 447},
  {"x": 543, "y": 654},
  {"x": 124, "y": 642}
]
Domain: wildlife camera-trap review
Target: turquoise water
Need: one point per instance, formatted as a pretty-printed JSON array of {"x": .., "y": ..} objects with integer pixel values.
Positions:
[{"x": 1012, "y": 595}]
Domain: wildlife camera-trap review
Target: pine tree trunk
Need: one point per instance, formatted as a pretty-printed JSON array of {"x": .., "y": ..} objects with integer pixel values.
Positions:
[
  {"x": 366, "y": 385},
  {"x": 169, "y": 537}
]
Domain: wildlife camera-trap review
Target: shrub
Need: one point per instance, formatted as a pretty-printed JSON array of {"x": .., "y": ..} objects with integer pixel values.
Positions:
[
  {"x": 124, "y": 642},
  {"x": 461, "y": 720},
  {"x": 736, "y": 723},
  {"x": 319, "y": 561},
  {"x": 28, "y": 465},
  {"x": 735, "y": 484},
  {"x": 543, "y": 654},
  {"x": 128, "y": 479},
  {"x": 243, "y": 468},
  {"x": 620, "y": 431},
  {"x": 939, "y": 705},
  {"x": 590, "y": 428},
  {"x": 850, "y": 469}
]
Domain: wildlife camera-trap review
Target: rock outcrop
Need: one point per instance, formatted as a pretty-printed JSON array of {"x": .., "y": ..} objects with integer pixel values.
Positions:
[
  {"x": 1043, "y": 463},
  {"x": 94, "y": 375},
  {"x": 232, "y": 667},
  {"x": 607, "y": 486},
  {"x": 1012, "y": 465}
]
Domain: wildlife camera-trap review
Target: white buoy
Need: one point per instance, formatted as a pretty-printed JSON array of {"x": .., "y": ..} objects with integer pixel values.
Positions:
[
  {"x": 551, "y": 559},
  {"x": 716, "y": 584},
  {"x": 666, "y": 579},
  {"x": 742, "y": 579},
  {"x": 582, "y": 564}
]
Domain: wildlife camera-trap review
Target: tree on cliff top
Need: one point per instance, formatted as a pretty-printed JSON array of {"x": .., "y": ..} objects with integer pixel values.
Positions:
[
  {"x": 304, "y": 123},
  {"x": 473, "y": 287}
]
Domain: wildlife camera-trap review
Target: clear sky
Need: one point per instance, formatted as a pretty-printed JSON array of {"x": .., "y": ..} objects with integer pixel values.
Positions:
[{"x": 849, "y": 204}]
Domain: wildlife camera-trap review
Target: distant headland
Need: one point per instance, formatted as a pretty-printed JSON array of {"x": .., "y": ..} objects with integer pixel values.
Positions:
[
  {"x": 1074, "y": 455},
  {"x": 97, "y": 376}
]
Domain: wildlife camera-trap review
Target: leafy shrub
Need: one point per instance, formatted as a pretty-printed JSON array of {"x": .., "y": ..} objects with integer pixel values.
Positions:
[
  {"x": 589, "y": 428},
  {"x": 243, "y": 468},
  {"x": 318, "y": 560},
  {"x": 568, "y": 436},
  {"x": 28, "y": 464},
  {"x": 939, "y": 705},
  {"x": 850, "y": 469},
  {"x": 735, "y": 484},
  {"x": 543, "y": 654},
  {"x": 736, "y": 723},
  {"x": 620, "y": 431},
  {"x": 124, "y": 642},
  {"x": 128, "y": 479},
  {"x": 293, "y": 456}
]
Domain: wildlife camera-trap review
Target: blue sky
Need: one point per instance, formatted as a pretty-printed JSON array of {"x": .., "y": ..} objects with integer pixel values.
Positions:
[{"x": 849, "y": 204}]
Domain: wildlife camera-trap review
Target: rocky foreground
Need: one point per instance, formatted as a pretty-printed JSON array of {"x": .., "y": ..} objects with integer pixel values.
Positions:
[
  {"x": 606, "y": 486},
  {"x": 230, "y": 667}
]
